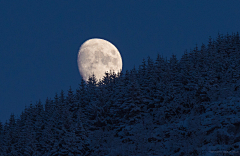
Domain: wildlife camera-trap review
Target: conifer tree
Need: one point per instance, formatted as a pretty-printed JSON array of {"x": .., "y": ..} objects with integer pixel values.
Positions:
[
  {"x": 142, "y": 71},
  {"x": 62, "y": 101},
  {"x": 106, "y": 79},
  {"x": 132, "y": 101},
  {"x": 150, "y": 80},
  {"x": 71, "y": 101},
  {"x": 55, "y": 104},
  {"x": 10, "y": 136},
  {"x": 160, "y": 67},
  {"x": 38, "y": 126},
  {"x": 120, "y": 92},
  {"x": 47, "y": 106},
  {"x": 81, "y": 94},
  {"x": 1, "y": 139}
]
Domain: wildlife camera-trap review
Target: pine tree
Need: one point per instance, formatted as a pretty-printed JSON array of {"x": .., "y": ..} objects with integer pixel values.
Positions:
[
  {"x": 82, "y": 143},
  {"x": 62, "y": 102},
  {"x": 142, "y": 71},
  {"x": 115, "y": 111},
  {"x": 10, "y": 136},
  {"x": 47, "y": 106},
  {"x": 106, "y": 79},
  {"x": 1, "y": 139},
  {"x": 81, "y": 95},
  {"x": 57, "y": 128},
  {"x": 29, "y": 131},
  {"x": 71, "y": 101},
  {"x": 38, "y": 128},
  {"x": 132, "y": 102},
  {"x": 173, "y": 68},
  {"x": 55, "y": 104},
  {"x": 82, "y": 101},
  {"x": 91, "y": 109},
  {"x": 150, "y": 80},
  {"x": 160, "y": 67}
]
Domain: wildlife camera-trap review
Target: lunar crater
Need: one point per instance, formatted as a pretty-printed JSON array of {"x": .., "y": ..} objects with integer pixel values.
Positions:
[{"x": 113, "y": 52}]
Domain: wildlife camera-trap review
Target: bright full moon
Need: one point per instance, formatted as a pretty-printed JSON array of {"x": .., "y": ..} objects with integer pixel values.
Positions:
[{"x": 97, "y": 56}]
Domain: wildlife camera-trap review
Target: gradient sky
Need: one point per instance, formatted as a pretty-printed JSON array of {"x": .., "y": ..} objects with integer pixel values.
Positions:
[{"x": 39, "y": 40}]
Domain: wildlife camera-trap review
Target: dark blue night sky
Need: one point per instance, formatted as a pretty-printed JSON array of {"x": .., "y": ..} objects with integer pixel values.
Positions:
[{"x": 39, "y": 40}]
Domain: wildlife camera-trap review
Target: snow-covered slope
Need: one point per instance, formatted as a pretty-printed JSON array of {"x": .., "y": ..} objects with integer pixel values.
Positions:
[{"x": 214, "y": 132}]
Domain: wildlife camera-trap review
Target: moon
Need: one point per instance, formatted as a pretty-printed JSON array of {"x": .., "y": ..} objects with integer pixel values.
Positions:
[{"x": 97, "y": 56}]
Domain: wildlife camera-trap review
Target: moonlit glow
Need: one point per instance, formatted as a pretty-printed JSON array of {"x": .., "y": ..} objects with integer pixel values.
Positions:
[{"x": 97, "y": 56}]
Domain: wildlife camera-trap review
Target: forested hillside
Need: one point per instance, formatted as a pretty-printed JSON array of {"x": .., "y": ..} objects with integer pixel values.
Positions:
[{"x": 163, "y": 107}]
